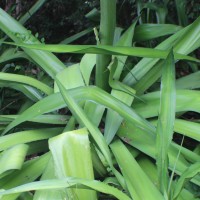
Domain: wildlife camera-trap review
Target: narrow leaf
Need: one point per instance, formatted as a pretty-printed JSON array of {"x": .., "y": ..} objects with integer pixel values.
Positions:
[
  {"x": 188, "y": 174},
  {"x": 26, "y": 80},
  {"x": 65, "y": 183},
  {"x": 166, "y": 119},
  {"x": 10, "y": 140},
  {"x": 139, "y": 185},
  {"x": 105, "y": 49}
]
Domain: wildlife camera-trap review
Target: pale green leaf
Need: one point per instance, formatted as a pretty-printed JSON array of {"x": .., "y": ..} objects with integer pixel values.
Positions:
[
  {"x": 30, "y": 171},
  {"x": 72, "y": 158},
  {"x": 12, "y": 159},
  {"x": 49, "y": 173},
  {"x": 86, "y": 66},
  {"x": 70, "y": 77}
]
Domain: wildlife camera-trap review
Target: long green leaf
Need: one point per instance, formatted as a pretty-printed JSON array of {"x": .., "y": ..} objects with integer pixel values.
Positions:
[
  {"x": 30, "y": 92},
  {"x": 139, "y": 185},
  {"x": 165, "y": 126},
  {"x": 105, "y": 49},
  {"x": 10, "y": 140},
  {"x": 186, "y": 128},
  {"x": 68, "y": 182},
  {"x": 147, "y": 109},
  {"x": 46, "y": 119},
  {"x": 26, "y": 80}
]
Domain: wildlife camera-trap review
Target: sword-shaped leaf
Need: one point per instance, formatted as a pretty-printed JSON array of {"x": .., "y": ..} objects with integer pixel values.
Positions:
[
  {"x": 104, "y": 49},
  {"x": 165, "y": 126},
  {"x": 138, "y": 183}
]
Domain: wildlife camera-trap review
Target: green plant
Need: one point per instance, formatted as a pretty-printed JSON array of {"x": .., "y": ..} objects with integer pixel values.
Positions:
[{"x": 61, "y": 156}]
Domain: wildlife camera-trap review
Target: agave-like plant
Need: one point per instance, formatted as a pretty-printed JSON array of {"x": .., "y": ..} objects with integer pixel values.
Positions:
[{"x": 115, "y": 140}]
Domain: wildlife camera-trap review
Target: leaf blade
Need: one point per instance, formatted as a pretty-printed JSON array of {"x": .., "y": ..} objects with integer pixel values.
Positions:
[{"x": 166, "y": 119}]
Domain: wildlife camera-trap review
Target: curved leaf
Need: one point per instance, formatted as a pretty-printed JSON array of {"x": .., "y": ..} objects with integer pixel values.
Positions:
[
  {"x": 12, "y": 159},
  {"x": 82, "y": 93},
  {"x": 68, "y": 183},
  {"x": 26, "y": 80}
]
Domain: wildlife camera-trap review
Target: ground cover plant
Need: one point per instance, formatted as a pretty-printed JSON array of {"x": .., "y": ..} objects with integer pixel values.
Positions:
[{"x": 111, "y": 125}]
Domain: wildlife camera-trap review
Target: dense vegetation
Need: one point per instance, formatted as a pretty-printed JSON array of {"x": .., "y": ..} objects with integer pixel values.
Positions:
[{"x": 114, "y": 115}]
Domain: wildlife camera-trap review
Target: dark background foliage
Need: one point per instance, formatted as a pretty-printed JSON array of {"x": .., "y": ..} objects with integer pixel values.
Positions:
[{"x": 59, "y": 19}]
